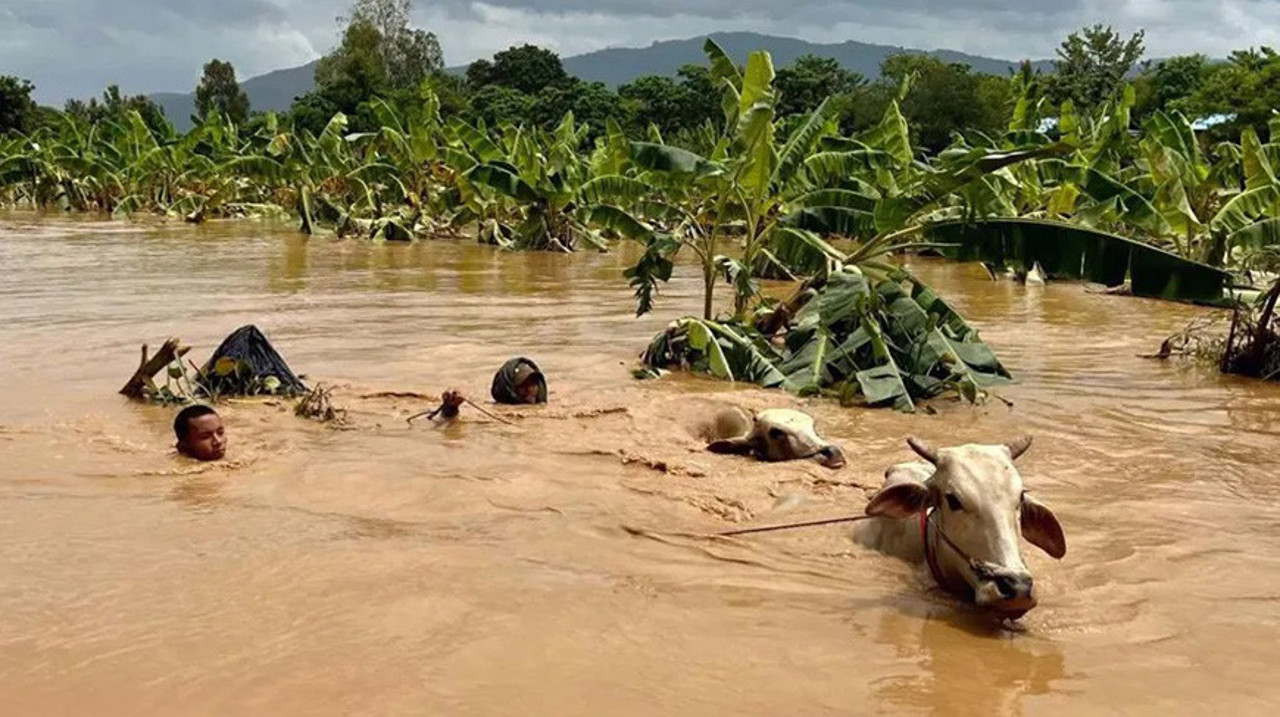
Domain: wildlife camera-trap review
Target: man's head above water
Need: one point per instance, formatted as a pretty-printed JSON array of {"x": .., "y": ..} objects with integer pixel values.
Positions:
[
  {"x": 519, "y": 381},
  {"x": 526, "y": 379},
  {"x": 200, "y": 433}
]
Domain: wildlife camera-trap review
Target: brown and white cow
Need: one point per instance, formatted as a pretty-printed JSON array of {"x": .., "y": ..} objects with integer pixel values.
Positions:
[{"x": 774, "y": 434}]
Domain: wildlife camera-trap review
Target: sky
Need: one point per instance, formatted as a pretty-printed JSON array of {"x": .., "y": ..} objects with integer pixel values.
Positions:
[{"x": 74, "y": 48}]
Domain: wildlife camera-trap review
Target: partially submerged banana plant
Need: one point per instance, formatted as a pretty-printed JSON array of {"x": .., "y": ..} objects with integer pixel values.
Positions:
[{"x": 886, "y": 339}]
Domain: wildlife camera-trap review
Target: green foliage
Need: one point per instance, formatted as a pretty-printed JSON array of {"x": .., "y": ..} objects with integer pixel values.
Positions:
[
  {"x": 890, "y": 340},
  {"x": 115, "y": 108},
  {"x": 1092, "y": 65},
  {"x": 942, "y": 99},
  {"x": 1170, "y": 85},
  {"x": 1247, "y": 85},
  {"x": 497, "y": 105},
  {"x": 356, "y": 71},
  {"x": 590, "y": 103},
  {"x": 219, "y": 92},
  {"x": 673, "y": 107},
  {"x": 527, "y": 68},
  {"x": 809, "y": 80},
  {"x": 946, "y": 97},
  {"x": 711, "y": 165},
  {"x": 18, "y": 112},
  {"x": 408, "y": 55},
  {"x": 380, "y": 57},
  {"x": 752, "y": 194},
  {"x": 1068, "y": 252}
]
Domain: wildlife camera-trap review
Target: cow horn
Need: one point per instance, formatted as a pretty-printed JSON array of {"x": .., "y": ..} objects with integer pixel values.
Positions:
[
  {"x": 1018, "y": 447},
  {"x": 923, "y": 449}
]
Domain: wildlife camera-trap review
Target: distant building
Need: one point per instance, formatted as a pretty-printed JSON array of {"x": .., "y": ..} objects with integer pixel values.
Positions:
[
  {"x": 1050, "y": 124},
  {"x": 1211, "y": 121}
]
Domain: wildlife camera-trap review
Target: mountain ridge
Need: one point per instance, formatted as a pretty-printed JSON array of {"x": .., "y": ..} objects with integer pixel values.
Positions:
[{"x": 276, "y": 90}]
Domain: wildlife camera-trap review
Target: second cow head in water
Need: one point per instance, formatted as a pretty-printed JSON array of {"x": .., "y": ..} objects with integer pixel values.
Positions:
[
  {"x": 775, "y": 434},
  {"x": 962, "y": 513}
]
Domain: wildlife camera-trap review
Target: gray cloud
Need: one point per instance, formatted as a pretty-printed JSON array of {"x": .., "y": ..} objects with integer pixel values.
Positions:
[{"x": 77, "y": 47}]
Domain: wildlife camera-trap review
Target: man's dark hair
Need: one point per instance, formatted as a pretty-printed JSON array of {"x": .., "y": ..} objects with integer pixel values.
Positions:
[{"x": 186, "y": 415}]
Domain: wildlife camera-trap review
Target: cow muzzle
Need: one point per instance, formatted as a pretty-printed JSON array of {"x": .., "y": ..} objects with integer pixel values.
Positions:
[
  {"x": 829, "y": 456},
  {"x": 1009, "y": 593}
]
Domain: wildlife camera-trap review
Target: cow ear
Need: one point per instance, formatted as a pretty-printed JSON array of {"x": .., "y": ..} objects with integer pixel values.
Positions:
[
  {"x": 1041, "y": 528},
  {"x": 738, "y": 446},
  {"x": 900, "y": 501}
]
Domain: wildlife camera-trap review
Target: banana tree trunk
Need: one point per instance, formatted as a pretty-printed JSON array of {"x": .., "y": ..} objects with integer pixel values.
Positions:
[
  {"x": 708, "y": 288},
  {"x": 1263, "y": 336}
]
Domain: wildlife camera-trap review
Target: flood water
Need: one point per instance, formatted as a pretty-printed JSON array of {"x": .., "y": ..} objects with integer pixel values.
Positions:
[{"x": 489, "y": 569}]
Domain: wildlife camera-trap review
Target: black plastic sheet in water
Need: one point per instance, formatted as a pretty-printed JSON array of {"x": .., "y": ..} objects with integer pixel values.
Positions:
[{"x": 246, "y": 363}]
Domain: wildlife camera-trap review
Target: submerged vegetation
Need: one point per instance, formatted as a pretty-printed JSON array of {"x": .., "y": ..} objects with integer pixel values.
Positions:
[
  {"x": 244, "y": 364},
  {"x": 891, "y": 341},
  {"x": 754, "y": 172}
]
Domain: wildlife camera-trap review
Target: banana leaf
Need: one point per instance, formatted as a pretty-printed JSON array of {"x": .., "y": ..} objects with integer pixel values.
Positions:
[
  {"x": 894, "y": 342},
  {"x": 1066, "y": 251},
  {"x": 1256, "y": 236},
  {"x": 664, "y": 158},
  {"x": 788, "y": 251}
]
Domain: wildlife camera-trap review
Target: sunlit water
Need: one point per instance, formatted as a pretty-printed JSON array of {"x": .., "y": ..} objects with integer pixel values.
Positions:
[{"x": 487, "y": 569}]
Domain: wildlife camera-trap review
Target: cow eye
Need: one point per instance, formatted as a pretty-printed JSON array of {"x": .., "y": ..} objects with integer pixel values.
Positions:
[
  {"x": 953, "y": 502},
  {"x": 776, "y": 434}
]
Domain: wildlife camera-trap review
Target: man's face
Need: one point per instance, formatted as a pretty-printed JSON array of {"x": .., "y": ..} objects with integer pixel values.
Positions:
[
  {"x": 528, "y": 391},
  {"x": 206, "y": 439}
]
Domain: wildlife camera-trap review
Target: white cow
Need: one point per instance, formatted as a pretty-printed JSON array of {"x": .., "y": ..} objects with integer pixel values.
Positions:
[
  {"x": 961, "y": 513},
  {"x": 774, "y": 434}
]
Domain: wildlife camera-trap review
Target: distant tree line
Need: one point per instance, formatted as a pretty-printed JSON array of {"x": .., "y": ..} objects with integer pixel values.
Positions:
[{"x": 381, "y": 55}]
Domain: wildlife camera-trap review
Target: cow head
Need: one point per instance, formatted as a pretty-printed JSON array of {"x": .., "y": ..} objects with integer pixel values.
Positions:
[
  {"x": 980, "y": 504},
  {"x": 782, "y": 434}
]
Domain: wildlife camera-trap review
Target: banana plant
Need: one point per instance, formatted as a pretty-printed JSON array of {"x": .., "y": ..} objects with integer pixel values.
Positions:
[
  {"x": 553, "y": 202},
  {"x": 737, "y": 194}
]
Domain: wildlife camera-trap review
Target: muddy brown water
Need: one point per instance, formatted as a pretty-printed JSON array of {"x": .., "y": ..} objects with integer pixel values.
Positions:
[{"x": 487, "y": 569}]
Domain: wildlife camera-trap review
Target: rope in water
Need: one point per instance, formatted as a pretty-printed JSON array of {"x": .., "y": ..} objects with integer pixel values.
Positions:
[{"x": 788, "y": 526}]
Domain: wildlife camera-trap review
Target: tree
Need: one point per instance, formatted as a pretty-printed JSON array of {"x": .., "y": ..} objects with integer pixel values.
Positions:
[
  {"x": 702, "y": 97},
  {"x": 1092, "y": 65},
  {"x": 945, "y": 98},
  {"x": 527, "y": 68},
  {"x": 355, "y": 72},
  {"x": 379, "y": 55},
  {"x": 1247, "y": 85},
  {"x": 17, "y": 109},
  {"x": 449, "y": 89},
  {"x": 496, "y": 104},
  {"x": 591, "y": 103},
  {"x": 479, "y": 74},
  {"x": 656, "y": 100},
  {"x": 219, "y": 92},
  {"x": 673, "y": 105},
  {"x": 115, "y": 105},
  {"x": 1173, "y": 81},
  {"x": 409, "y": 55},
  {"x": 863, "y": 107},
  {"x": 311, "y": 112},
  {"x": 808, "y": 81}
]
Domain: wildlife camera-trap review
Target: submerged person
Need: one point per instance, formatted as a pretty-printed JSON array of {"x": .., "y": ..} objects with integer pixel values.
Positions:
[
  {"x": 450, "y": 403},
  {"x": 519, "y": 381},
  {"x": 200, "y": 433}
]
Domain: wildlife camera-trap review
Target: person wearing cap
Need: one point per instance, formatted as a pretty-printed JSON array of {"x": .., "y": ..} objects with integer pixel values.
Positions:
[{"x": 519, "y": 381}]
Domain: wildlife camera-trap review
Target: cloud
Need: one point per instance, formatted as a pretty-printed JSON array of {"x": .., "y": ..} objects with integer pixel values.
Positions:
[{"x": 77, "y": 47}]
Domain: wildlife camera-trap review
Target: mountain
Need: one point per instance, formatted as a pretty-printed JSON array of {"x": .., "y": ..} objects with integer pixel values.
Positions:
[
  {"x": 274, "y": 91},
  {"x": 617, "y": 66}
]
